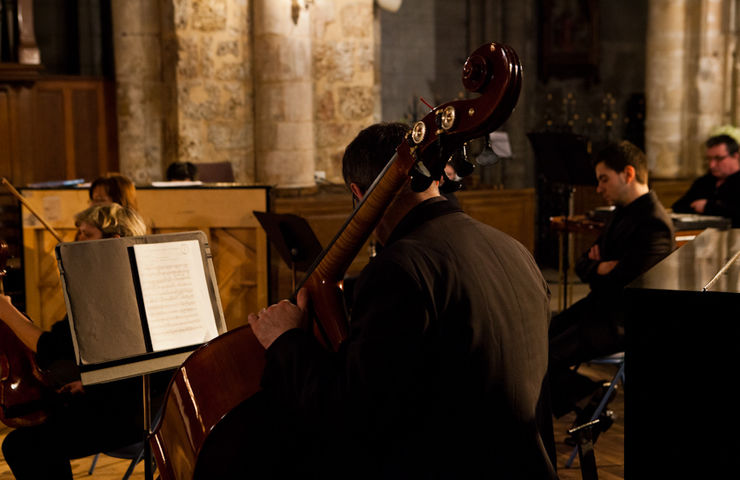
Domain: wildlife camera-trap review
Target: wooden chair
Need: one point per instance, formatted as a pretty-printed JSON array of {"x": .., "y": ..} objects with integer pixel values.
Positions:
[{"x": 215, "y": 172}]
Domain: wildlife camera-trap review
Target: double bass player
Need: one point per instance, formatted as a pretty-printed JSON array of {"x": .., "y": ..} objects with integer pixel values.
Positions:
[{"x": 442, "y": 374}]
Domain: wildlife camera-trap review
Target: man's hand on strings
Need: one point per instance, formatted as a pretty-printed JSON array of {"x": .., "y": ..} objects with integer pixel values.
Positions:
[
  {"x": 273, "y": 321},
  {"x": 72, "y": 388}
]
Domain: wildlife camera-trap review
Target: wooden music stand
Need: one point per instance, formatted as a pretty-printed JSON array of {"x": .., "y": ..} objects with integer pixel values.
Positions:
[{"x": 294, "y": 239}]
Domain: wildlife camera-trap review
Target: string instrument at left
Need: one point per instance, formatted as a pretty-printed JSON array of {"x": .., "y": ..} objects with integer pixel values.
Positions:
[{"x": 24, "y": 390}]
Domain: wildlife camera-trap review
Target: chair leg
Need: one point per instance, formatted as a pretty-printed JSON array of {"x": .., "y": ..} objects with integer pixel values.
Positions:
[
  {"x": 619, "y": 377},
  {"x": 92, "y": 465},
  {"x": 133, "y": 464}
]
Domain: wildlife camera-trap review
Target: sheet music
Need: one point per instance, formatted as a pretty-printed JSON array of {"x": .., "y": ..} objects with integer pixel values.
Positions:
[{"x": 173, "y": 287}]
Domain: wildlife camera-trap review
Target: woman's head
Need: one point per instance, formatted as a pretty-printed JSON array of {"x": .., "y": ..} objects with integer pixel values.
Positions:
[
  {"x": 107, "y": 221},
  {"x": 113, "y": 188}
]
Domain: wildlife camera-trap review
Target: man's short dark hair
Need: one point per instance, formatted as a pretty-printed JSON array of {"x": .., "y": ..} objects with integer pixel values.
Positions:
[
  {"x": 181, "y": 171},
  {"x": 729, "y": 142},
  {"x": 367, "y": 155},
  {"x": 618, "y": 156}
]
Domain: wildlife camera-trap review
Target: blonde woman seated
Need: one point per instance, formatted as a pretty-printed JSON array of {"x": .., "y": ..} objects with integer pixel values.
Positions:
[{"x": 82, "y": 420}]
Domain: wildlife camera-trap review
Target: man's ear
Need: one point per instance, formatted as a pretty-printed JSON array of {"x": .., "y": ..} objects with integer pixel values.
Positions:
[
  {"x": 356, "y": 190},
  {"x": 629, "y": 173}
]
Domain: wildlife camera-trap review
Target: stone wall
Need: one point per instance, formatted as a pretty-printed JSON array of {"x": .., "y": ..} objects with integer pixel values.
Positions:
[
  {"x": 345, "y": 78},
  {"x": 139, "y": 88},
  {"x": 215, "y": 115},
  {"x": 194, "y": 84},
  {"x": 235, "y": 80},
  {"x": 692, "y": 81}
]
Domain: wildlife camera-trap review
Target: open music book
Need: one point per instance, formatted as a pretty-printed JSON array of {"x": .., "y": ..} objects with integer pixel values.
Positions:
[{"x": 138, "y": 304}]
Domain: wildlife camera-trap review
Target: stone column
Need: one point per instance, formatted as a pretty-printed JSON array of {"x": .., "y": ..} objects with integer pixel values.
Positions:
[
  {"x": 519, "y": 172},
  {"x": 346, "y": 93},
  {"x": 665, "y": 86},
  {"x": 137, "y": 51},
  {"x": 284, "y": 127},
  {"x": 707, "y": 82},
  {"x": 214, "y": 89}
]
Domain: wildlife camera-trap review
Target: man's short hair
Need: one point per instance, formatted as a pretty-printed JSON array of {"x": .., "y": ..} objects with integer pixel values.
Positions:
[
  {"x": 730, "y": 143},
  {"x": 618, "y": 156},
  {"x": 181, "y": 171},
  {"x": 367, "y": 155}
]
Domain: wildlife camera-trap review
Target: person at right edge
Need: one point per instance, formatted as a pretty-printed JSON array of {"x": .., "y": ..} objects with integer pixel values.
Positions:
[
  {"x": 637, "y": 236},
  {"x": 718, "y": 191},
  {"x": 444, "y": 371}
]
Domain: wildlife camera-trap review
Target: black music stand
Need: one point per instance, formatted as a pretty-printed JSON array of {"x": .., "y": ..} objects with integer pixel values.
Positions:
[
  {"x": 563, "y": 160},
  {"x": 294, "y": 239},
  {"x": 112, "y": 326}
]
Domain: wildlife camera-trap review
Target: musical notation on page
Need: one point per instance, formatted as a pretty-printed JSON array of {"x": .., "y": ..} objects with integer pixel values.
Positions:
[{"x": 176, "y": 302}]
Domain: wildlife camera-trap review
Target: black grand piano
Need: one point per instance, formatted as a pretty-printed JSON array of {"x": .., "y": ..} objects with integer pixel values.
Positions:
[{"x": 682, "y": 408}]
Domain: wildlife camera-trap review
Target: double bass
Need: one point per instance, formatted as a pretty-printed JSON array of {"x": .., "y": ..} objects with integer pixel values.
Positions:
[{"x": 215, "y": 396}]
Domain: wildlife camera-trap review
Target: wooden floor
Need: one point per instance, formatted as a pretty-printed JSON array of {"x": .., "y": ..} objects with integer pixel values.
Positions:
[
  {"x": 107, "y": 468},
  {"x": 609, "y": 448}
]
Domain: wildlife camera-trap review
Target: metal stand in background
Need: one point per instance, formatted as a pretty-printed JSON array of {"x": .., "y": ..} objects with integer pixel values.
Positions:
[
  {"x": 294, "y": 239},
  {"x": 565, "y": 248}
]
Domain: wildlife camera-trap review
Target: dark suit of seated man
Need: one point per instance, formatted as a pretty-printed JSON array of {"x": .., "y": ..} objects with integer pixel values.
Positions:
[
  {"x": 638, "y": 235},
  {"x": 718, "y": 191}
]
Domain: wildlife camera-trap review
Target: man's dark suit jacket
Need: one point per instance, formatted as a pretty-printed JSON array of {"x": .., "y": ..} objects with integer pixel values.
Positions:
[
  {"x": 443, "y": 372},
  {"x": 638, "y": 236},
  {"x": 722, "y": 201}
]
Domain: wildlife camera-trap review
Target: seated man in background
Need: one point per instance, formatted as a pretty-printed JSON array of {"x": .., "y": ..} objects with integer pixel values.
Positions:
[
  {"x": 638, "y": 235},
  {"x": 718, "y": 191},
  {"x": 179, "y": 171}
]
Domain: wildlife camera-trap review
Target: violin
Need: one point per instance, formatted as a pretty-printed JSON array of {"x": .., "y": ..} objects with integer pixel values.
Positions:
[
  {"x": 24, "y": 389},
  {"x": 215, "y": 396}
]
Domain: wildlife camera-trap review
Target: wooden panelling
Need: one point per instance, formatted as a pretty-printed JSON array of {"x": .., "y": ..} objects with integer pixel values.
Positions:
[
  {"x": 237, "y": 242},
  {"x": 511, "y": 211},
  {"x": 325, "y": 213},
  {"x": 5, "y": 135},
  {"x": 669, "y": 191},
  {"x": 50, "y": 155},
  {"x": 60, "y": 128}
]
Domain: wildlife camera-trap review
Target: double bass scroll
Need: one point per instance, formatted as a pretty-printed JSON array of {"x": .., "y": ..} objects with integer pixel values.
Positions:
[{"x": 186, "y": 436}]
